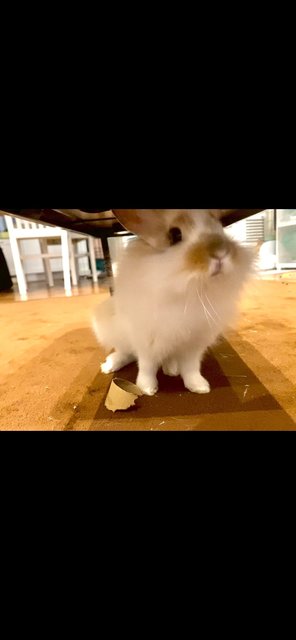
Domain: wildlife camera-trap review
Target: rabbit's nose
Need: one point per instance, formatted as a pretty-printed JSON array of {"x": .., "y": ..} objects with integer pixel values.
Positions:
[
  {"x": 218, "y": 248},
  {"x": 219, "y": 254}
]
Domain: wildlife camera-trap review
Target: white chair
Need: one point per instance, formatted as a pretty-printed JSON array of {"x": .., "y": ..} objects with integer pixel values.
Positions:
[{"x": 20, "y": 229}]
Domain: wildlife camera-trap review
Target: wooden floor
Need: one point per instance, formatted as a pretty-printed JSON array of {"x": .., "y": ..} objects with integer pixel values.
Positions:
[
  {"x": 39, "y": 290},
  {"x": 51, "y": 380}
]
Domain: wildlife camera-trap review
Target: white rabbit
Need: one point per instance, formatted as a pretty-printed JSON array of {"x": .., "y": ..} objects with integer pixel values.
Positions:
[{"x": 176, "y": 291}]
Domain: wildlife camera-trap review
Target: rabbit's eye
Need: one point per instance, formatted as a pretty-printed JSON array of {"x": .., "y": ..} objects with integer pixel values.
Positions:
[{"x": 175, "y": 235}]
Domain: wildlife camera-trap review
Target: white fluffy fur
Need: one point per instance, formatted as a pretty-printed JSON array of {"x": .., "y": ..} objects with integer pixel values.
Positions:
[{"x": 164, "y": 315}]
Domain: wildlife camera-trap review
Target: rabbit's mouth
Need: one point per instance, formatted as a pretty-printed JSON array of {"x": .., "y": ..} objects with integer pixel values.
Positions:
[
  {"x": 219, "y": 262},
  {"x": 217, "y": 267}
]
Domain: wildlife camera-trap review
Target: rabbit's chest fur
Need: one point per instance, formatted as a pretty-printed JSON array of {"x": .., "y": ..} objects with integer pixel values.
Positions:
[{"x": 166, "y": 323}]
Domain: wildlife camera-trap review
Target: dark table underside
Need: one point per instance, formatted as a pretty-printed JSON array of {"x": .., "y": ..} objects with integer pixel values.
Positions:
[{"x": 99, "y": 223}]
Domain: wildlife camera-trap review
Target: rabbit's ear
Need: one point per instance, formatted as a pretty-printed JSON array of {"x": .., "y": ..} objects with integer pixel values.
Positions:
[
  {"x": 148, "y": 224},
  {"x": 216, "y": 213}
]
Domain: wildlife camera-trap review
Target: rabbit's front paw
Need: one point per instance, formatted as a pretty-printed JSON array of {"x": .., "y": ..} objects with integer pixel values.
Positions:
[
  {"x": 115, "y": 362},
  {"x": 197, "y": 383},
  {"x": 148, "y": 386},
  {"x": 107, "y": 367}
]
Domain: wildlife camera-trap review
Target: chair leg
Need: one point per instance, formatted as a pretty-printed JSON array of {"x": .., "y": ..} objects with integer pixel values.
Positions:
[
  {"x": 66, "y": 262},
  {"x": 46, "y": 262},
  {"x": 20, "y": 274},
  {"x": 72, "y": 263},
  {"x": 92, "y": 258},
  {"x": 107, "y": 259}
]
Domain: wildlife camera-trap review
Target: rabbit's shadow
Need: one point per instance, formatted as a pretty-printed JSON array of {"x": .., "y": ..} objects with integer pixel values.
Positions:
[
  {"x": 174, "y": 384},
  {"x": 234, "y": 388}
]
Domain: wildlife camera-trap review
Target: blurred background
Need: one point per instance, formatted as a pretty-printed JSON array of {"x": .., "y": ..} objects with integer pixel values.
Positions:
[{"x": 275, "y": 229}]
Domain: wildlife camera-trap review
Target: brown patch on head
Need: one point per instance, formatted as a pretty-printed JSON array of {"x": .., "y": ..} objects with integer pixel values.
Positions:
[
  {"x": 197, "y": 257},
  {"x": 215, "y": 213},
  {"x": 184, "y": 221}
]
